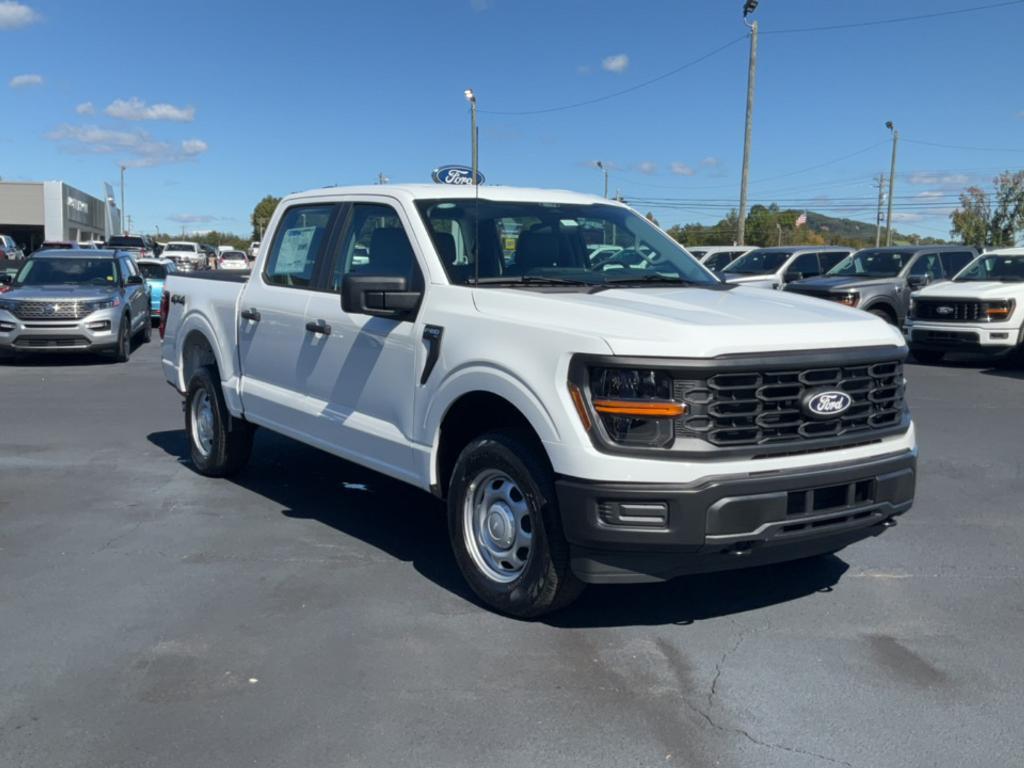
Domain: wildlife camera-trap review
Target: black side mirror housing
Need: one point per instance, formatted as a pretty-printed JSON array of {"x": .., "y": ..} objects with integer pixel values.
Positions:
[
  {"x": 6, "y": 279},
  {"x": 379, "y": 296},
  {"x": 792, "y": 276},
  {"x": 134, "y": 280},
  {"x": 918, "y": 281}
]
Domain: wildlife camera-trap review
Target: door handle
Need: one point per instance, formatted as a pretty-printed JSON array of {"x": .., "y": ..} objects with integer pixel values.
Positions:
[
  {"x": 318, "y": 327},
  {"x": 251, "y": 314}
]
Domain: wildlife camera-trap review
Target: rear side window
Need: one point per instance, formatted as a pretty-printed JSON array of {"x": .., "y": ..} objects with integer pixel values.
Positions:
[
  {"x": 954, "y": 261},
  {"x": 300, "y": 238}
]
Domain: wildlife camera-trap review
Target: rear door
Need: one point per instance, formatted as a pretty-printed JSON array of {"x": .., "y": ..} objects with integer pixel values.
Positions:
[
  {"x": 360, "y": 372},
  {"x": 272, "y": 339}
]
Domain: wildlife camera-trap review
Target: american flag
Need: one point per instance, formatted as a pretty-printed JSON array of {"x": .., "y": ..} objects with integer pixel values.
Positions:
[{"x": 800, "y": 220}]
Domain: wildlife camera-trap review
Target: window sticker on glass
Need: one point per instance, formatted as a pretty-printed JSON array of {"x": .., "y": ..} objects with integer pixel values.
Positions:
[{"x": 294, "y": 250}]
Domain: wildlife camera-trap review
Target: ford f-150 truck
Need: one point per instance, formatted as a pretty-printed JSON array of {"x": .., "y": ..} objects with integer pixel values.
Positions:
[
  {"x": 630, "y": 420},
  {"x": 981, "y": 310}
]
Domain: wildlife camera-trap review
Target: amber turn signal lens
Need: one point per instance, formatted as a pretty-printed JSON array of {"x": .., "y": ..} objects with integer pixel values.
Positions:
[
  {"x": 581, "y": 408},
  {"x": 640, "y": 408},
  {"x": 998, "y": 311}
]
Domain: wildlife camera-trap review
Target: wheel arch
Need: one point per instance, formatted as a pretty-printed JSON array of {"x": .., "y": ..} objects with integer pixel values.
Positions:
[{"x": 883, "y": 305}]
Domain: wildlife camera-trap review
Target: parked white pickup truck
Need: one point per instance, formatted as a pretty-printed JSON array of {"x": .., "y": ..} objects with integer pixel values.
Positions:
[
  {"x": 627, "y": 421},
  {"x": 981, "y": 310}
]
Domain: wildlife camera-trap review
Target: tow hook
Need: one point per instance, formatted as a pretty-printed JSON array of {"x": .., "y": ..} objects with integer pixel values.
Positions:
[{"x": 889, "y": 522}]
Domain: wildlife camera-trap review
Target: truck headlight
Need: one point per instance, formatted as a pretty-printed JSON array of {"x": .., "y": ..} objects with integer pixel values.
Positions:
[
  {"x": 999, "y": 310},
  {"x": 851, "y": 299},
  {"x": 634, "y": 406}
]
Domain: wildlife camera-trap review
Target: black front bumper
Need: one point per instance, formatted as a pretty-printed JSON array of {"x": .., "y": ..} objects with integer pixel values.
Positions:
[
  {"x": 956, "y": 341},
  {"x": 632, "y": 532}
]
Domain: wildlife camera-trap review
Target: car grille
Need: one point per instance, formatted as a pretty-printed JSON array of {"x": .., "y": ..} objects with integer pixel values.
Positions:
[
  {"x": 951, "y": 311},
  {"x": 51, "y": 310},
  {"x": 69, "y": 342},
  {"x": 764, "y": 407}
]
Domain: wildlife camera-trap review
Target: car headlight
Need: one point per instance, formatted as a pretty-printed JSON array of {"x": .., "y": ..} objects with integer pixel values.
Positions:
[
  {"x": 8, "y": 305},
  {"x": 93, "y": 306},
  {"x": 633, "y": 406},
  {"x": 850, "y": 299}
]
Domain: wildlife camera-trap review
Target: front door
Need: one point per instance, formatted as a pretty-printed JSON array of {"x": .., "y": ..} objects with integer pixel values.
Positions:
[
  {"x": 360, "y": 371},
  {"x": 271, "y": 326}
]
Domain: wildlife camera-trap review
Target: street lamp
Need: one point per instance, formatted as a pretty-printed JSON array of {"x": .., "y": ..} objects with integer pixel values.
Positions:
[
  {"x": 471, "y": 98},
  {"x": 604, "y": 168},
  {"x": 123, "y": 219},
  {"x": 892, "y": 181},
  {"x": 748, "y": 8}
]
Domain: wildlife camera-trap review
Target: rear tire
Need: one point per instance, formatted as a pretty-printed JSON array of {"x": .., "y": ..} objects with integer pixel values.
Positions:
[
  {"x": 928, "y": 356},
  {"x": 506, "y": 529},
  {"x": 219, "y": 444}
]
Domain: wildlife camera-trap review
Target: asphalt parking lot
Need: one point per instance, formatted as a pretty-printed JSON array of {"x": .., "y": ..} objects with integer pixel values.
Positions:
[{"x": 310, "y": 613}]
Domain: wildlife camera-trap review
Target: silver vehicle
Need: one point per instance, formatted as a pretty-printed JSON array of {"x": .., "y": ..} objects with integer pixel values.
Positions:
[
  {"x": 718, "y": 257},
  {"x": 9, "y": 249},
  {"x": 774, "y": 267},
  {"x": 75, "y": 301}
]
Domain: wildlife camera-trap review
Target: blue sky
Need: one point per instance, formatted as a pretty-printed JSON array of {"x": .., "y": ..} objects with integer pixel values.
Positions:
[{"x": 215, "y": 104}]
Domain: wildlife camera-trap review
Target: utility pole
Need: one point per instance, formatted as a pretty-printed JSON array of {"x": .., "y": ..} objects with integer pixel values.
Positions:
[
  {"x": 778, "y": 226},
  {"x": 892, "y": 181},
  {"x": 600, "y": 164},
  {"x": 748, "y": 8},
  {"x": 878, "y": 213},
  {"x": 471, "y": 98},
  {"x": 382, "y": 179},
  {"x": 122, "y": 199}
]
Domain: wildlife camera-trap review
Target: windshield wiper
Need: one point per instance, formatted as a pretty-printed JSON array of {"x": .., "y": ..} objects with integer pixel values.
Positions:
[
  {"x": 526, "y": 280},
  {"x": 655, "y": 278}
]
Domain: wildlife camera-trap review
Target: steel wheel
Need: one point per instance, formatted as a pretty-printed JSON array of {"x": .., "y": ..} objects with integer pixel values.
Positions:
[
  {"x": 497, "y": 526},
  {"x": 202, "y": 422}
]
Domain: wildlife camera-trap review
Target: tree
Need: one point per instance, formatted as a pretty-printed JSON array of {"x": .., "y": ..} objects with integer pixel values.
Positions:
[
  {"x": 971, "y": 219},
  {"x": 650, "y": 218},
  {"x": 261, "y": 215},
  {"x": 991, "y": 220}
]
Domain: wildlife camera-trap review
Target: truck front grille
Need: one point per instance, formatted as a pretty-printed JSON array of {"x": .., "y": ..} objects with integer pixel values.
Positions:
[
  {"x": 950, "y": 310},
  {"x": 766, "y": 407},
  {"x": 50, "y": 310}
]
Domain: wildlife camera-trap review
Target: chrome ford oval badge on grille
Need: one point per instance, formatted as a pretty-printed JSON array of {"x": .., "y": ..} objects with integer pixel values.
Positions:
[
  {"x": 827, "y": 405},
  {"x": 944, "y": 310}
]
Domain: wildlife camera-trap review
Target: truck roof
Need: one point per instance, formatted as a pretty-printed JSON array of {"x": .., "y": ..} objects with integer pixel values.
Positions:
[{"x": 467, "y": 192}]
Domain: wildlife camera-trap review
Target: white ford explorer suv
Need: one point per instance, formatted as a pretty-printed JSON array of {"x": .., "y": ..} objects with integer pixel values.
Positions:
[
  {"x": 630, "y": 420},
  {"x": 980, "y": 310}
]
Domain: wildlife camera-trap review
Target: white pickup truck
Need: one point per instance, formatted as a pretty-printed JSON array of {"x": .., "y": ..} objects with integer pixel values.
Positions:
[
  {"x": 628, "y": 419},
  {"x": 981, "y": 310}
]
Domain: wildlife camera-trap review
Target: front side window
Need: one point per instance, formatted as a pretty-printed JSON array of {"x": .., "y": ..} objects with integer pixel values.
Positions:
[
  {"x": 375, "y": 243},
  {"x": 954, "y": 261},
  {"x": 928, "y": 265},
  {"x": 300, "y": 236},
  {"x": 830, "y": 259},
  {"x": 68, "y": 272},
  {"x": 758, "y": 262},
  {"x": 806, "y": 264},
  {"x": 492, "y": 242}
]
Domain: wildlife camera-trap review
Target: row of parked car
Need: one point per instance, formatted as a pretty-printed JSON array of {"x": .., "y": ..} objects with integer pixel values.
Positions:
[{"x": 945, "y": 298}]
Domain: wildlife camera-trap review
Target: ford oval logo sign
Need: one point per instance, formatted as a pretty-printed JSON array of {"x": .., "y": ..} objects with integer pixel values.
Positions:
[
  {"x": 827, "y": 405},
  {"x": 455, "y": 174},
  {"x": 944, "y": 310}
]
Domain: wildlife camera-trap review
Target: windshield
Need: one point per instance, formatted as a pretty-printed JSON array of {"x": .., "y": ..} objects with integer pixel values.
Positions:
[
  {"x": 233, "y": 255},
  {"x": 187, "y": 247},
  {"x": 68, "y": 272},
  {"x": 758, "y": 262},
  {"x": 873, "y": 264},
  {"x": 1004, "y": 269},
  {"x": 153, "y": 271},
  {"x": 554, "y": 243}
]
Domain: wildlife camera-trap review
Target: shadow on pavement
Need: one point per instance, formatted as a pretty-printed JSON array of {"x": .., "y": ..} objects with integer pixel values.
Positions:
[{"x": 409, "y": 525}]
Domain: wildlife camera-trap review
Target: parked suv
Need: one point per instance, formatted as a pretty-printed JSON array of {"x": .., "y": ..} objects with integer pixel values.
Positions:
[
  {"x": 774, "y": 267},
  {"x": 627, "y": 421},
  {"x": 980, "y": 310},
  {"x": 9, "y": 250},
  {"x": 75, "y": 301},
  {"x": 880, "y": 280},
  {"x": 718, "y": 257}
]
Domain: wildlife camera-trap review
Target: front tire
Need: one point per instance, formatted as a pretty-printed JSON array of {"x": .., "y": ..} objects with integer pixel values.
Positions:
[
  {"x": 505, "y": 528},
  {"x": 146, "y": 334},
  {"x": 219, "y": 444},
  {"x": 123, "y": 349}
]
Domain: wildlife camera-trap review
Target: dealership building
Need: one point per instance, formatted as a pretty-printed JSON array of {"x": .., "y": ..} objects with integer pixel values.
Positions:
[{"x": 34, "y": 211}]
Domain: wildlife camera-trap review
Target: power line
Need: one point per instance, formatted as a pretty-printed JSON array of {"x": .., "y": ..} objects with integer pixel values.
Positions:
[
  {"x": 959, "y": 146},
  {"x": 624, "y": 91},
  {"x": 897, "y": 20}
]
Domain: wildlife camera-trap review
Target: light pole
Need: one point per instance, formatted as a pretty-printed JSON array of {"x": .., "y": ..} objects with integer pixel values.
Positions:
[
  {"x": 892, "y": 181},
  {"x": 878, "y": 213},
  {"x": 600, "y": 164},
  {"x": 748, "y": 8},
  {"x": 123, "y": 219},
  {"x": 471, "y": 98}
]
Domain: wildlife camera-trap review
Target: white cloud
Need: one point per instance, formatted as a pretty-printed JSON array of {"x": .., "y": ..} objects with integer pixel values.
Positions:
[
  {"x": 139, "y": 149},
  {"x": 930, "y": 194},
  {"x": 193, "y": 218},
  {"x": 14, "y": 14},
  {"x": 647, "y": 167},
  {"x": 924, "y": 177},
  {"x": 85, "y": 108},
  {"x": 617, "y": 63},
  {"x": 136, "y": 109},
  {"x": 24, "y": 81},
  {"x": 681, "y": 169},
  {"x": 710, "y": 161}
]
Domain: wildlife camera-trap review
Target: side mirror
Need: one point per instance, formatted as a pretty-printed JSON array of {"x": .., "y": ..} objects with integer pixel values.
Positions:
[
  {"x": 6, "y": 279},
  {"x": 379, "y": 296},
  {"x": 792, "y": 275},
  {"x": 918, "y": 281},
  {"x": 134, "y": 280}
]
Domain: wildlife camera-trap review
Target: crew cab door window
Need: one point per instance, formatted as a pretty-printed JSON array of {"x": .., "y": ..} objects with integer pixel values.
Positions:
[
  {"x": 830, "y": 259},
  {"x": 805, "y": 264},
  {"x": 954, "y": 261},
  {"x": 375, "y": 243},
  {"x": 927, "y": 265},
  {"x": 300, "y": 237}
]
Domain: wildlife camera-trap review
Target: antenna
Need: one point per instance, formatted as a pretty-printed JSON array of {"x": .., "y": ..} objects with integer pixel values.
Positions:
[{"x": 474, "y": 136}]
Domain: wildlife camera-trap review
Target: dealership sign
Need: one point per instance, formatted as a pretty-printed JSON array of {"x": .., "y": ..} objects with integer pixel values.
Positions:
[{"x": 455, "y": 174}]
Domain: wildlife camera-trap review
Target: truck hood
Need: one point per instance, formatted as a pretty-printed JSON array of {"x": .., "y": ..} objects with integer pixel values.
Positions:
[
  {"x": 844, "y": 283},
  {"x": 982, "y": 289},
  {"x": 760, "y": 281},
  {"x": 61, "y": 292},
  {"x": 691, "y": 322}
]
